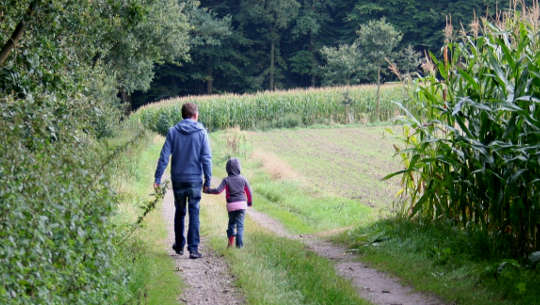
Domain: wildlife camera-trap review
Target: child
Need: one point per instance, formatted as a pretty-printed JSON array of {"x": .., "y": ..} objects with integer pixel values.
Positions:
[{"x": 238, "y": 195}]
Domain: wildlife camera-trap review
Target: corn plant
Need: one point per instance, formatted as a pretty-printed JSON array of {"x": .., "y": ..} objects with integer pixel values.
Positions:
[
  {"x": 473, "y": 156},
  {"x": 273, "y": 109}
]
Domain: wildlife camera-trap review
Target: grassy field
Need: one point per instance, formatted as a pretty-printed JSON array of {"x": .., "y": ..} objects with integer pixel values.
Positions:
[
  {"x": 318, "y": 179},
  {"x": 303, "y": 187},
  {"x": 345, "y": 162}
]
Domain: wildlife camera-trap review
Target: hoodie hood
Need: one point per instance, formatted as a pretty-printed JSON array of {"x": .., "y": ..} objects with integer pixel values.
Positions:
[
  {"x": 233, "y": 167},
  {"x": 188, "y": 126}
]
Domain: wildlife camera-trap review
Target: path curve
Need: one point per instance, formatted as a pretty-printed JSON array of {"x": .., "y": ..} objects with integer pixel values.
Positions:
[
  {"x": 378, "y": 287},
  {"x": 208, "y": 279}
]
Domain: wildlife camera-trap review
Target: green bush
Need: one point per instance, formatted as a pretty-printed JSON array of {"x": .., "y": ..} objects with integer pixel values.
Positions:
[
  {"x": 56, "y": 239},
  {"x": 474, "y": 156}
]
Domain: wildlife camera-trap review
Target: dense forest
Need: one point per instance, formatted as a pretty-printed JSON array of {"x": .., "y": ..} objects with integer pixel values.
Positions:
[{"x": 245, "y": 46}]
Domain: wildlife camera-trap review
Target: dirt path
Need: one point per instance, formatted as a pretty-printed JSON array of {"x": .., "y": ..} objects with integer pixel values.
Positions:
[
  {"x": 208, "y": 279},
  {"x": 375, "y": 286}
]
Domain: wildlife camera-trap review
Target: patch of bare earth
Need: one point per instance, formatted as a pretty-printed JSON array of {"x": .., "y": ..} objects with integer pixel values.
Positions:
[
  {"x": 208, "y": 279},
  {"x": 378, "y": 287},
  {"x": 273, "y": 165}
]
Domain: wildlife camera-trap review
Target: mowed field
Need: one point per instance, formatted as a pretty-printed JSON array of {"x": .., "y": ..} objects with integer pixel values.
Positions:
[{"x": 344, "y": 162}]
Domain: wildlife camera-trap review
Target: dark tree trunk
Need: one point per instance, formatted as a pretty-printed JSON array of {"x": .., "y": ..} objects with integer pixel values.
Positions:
[
  {"x": 17, "y": 33},
  {"x": 314, "y": 63},
  {"x": 126, "y": 100},
  {"x": 272, "y": 63},
  {"x": 209, "y": 80}
]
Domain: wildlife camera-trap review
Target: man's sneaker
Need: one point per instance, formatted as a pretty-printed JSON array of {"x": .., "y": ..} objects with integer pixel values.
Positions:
[
  {"x": 178, "y": 251},
  {"x": 195, "y": 255}
]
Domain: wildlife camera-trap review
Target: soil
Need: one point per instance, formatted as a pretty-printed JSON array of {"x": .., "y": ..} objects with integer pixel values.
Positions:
[
  {"x": 378, "y": 287},
  {"x": 208, "y": 279}
]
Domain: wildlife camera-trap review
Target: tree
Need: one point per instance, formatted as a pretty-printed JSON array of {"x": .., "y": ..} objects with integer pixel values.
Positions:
[
  {"x": 271, "y": 17},
  {"x": 150, "y": 32},
  {"x": 343, "y": 64},
  {"x": 308, "y": 36},
  {"x": 408, "y": 60},
  {"x": 377, "y": 41},
  {"x": 208, "y": 34},
  {"x": 421, "y": 22}
]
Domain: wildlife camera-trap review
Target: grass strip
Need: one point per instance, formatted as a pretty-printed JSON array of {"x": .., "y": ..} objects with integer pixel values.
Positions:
[
  {"x": 458, "y": 266},
  {"x": 153, "y": 276}
]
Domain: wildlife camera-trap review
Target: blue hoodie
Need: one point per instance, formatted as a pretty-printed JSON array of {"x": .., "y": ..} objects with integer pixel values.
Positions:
[{"x": 187, "y": 142}]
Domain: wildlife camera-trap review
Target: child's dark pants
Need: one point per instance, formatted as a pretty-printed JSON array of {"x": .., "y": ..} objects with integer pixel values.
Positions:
[{"x": 236, "y": 220}]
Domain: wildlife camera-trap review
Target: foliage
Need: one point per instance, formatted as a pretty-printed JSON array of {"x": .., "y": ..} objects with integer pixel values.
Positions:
[
  {"x": 474, "y": 157},
  {"x": 343, "y": 65},
  {"x": 58, "y": 103},
  {"x": 366, "y": 58},
  {"x": 57, "y": 245},
  {"x": 274, "y": 109},
  {"x": 144, "y": 33},
  {"x": 242, "y": 63},
  {"x": 272, "y": 16},
  {"x": 377, "y": 41}
]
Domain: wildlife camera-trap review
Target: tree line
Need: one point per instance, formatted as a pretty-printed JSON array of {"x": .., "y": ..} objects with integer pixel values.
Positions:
[{"x": 246, "y": 46}]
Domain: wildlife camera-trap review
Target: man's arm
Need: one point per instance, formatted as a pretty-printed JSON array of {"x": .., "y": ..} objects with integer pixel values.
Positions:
[
  {"x": 163, "y": 159},
  {"x": 206, "y": 159}
]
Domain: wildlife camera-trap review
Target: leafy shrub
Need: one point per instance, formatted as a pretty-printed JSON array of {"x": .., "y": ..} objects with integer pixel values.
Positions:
[
  {"x": 56, "y": 240},
  {"x": 474, "y": 155}
]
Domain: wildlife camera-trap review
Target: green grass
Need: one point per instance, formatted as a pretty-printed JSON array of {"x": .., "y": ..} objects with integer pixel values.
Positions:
[
  {"x": 345, "y": 162},
  {"x": 462, "y": 267},
  {"x": 154, "y": 279},
  {"x": 274, "y": 270},
  {"x": 300, "y": 207}
]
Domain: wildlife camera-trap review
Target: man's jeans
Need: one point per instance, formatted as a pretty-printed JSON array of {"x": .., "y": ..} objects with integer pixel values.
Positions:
[
  {"x": 190, "y": 193},
  {"x": 236, "y": 219}
]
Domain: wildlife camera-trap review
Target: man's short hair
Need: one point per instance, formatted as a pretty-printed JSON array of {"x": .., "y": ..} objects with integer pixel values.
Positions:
[{"x": 189, "y": 110}]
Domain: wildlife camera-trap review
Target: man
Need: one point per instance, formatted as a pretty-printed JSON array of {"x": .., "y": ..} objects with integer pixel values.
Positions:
[{"x": 187, "y": 142}]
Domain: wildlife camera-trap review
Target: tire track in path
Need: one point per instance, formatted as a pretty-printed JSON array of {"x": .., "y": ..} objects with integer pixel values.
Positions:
[
  {"x": 208, "y": 279},
  {"x": 378, "y": 287}
]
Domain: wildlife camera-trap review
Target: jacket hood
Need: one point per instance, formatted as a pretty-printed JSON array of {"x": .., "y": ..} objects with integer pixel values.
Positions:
[
  {"x": 233, "y": 167},
  {"x": 188, "y": 126}
]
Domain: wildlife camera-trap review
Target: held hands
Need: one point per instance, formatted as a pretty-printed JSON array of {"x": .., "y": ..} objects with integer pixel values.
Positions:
[{"x": 205, "y": 189}]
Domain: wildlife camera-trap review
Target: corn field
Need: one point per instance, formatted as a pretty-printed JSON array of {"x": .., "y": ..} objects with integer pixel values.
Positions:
[
  {"x": 279, "y": 109},
  {"x": 473, "y": 157}
]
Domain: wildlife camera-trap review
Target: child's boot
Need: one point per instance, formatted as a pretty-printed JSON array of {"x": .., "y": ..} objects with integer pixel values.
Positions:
[{"x": 231, "y": 241}]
